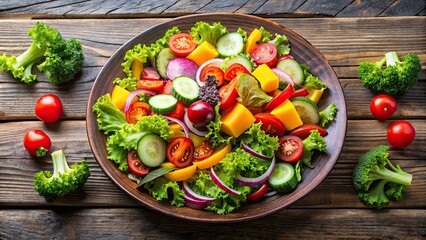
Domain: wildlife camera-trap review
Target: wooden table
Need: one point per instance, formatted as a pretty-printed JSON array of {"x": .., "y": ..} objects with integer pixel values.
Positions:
[{"x": 345, "y": 32}]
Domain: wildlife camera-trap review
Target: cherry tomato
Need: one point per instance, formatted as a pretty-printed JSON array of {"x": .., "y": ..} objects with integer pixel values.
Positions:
[
  {"x": 383, "y": 106},
  {"x": 270, "y": 124},
  {"x": 259, "y": 193},
  {"x": 167, "y": 89},
  {"x": 153, "y": 85},
  {"x": 178, "y": 111},
  {"x": 180, "y": 152},
  {"x": 136, "y": 111},
  {"x": 48, "y": 108},
  {"x": 401, "y": 134},
  {"x": 280, "y": 98},
  {"x": 135, "y": 164},
  {"x": 37, "y": 143},
  {"x": 235, "y": 70},
  {"x": 228, "y": 94},
  {"x": 265, "y": 53},
  {"x": 204, "y": 150},
  {"x": 290, "y": 149},
  {"x": 200, "y": 113},
  {"x": 304, "y": 130},
  {"x": 182, "y": 44},
  {"x": 212, "y": 71}
]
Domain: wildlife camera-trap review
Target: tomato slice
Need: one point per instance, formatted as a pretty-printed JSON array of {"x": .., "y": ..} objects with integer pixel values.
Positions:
[
  {"x": 167, "y": 89},
  {"x": 153, "y": 85},
  {"x": 270, "y": 124},
  {"x": 135, "y": 164},
  {"x": 136, "y": 111},
  {"x": 212, "y": 71},
  {"x": 259, "y": 193},
  {"x": 204, "y": 150},
  {"x": 290, "y": 149},
  {"x": 228, "y": 94},
  {"x": 304, "y": 130},
  {"x": 235, "y": 70},
  {"x": 280, "y": 98},
  {"x": 178, "y": 111},
  {"x": 180, "y": 151},
  {"x": 265, "y": 53},
  {"x": 182, "y": 44}
]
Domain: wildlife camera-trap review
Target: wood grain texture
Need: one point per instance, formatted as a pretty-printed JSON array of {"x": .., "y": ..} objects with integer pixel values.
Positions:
[{"x": 364, "y": 8}]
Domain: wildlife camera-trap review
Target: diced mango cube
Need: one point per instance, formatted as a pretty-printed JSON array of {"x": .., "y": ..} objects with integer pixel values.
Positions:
[
  {"x": 119, "y": 96},
  {"x": 236, "y": 120},
  {"x": 315, "y": 94},
  {"x": 267, "y": 78},
  {"x": 205, "y": 51},
  {"x": 288, "y": 115}
]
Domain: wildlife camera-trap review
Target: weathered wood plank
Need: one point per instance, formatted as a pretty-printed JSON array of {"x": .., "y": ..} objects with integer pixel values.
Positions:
[
  {"x": 365, "y": 8},
  {"x": 405, "y": 8},
  {"x": 322, "y": 7},
  {"x": 135, "y": 223},
  {"x": 283, "y": 6}
]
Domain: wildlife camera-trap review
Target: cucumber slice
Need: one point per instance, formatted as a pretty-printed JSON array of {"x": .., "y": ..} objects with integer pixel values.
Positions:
[
  {"x": 185, "y": 89},
  {"x": 293, "y": 69},
  {"x": 161, "y": 61},
  {"x": 230, "y": 44},
  {"x": 283, "y": 178},
  {"x": 162, "y": 103},
  {"x": 152, "y": 150},
  {"x": 237, "y": 59},
  {"x": 307, "y": 109}
]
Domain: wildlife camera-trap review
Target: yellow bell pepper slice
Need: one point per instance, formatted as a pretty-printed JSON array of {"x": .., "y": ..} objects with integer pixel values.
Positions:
[
  {"x": 252, "y": 40},
  {"x": 214, "y": 159},
  {"x": 205, "y": 51},
  {"x": 267, "y": 78},
  {"x": 137, "y": 68},
  {"x": 236, "y": 120},
  {"x": 287, "y": 114},
  {"x": 315, "y": 94},
  {"x": 181, "y": 174},
  {"x": 119, "y": 96}
]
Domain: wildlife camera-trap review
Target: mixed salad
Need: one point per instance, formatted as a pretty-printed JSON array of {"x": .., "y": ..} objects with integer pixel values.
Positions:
[{"x": 212, "y": 118}]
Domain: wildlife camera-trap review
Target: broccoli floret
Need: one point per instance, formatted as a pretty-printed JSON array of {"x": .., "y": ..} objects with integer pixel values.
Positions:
[
  {"x": 396, "y": 78},
  {"x": 376, "y": 179},
  {"x": 64, "y": 179},
  {"x": 61, "y": 59},
  {"x": 313, "y": 142}
]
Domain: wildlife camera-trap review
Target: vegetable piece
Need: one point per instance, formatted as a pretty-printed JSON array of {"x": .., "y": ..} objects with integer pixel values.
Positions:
[
  {"x": 178, "y": 112},
  {"x": 204, "y": 52},
  {"x": 383, "y": 106},
  {"x": 182, "y": 44},
  {"x": 203, "y": 150},
  {"x": 291, "y": 148},
  {"x": 288, "y": 115},
  {"x": 228, "y": 94},
  {"x": 252, "y": 40},
  {"x": 400, "y": 134},
  {"x": 180, "y": 152},
  {"x": 253, "y": 182},
  {"x": 234, "y": 70},
  {"x": 212, "y": 71},
  {"x": 162, "y": 103},
  {"x": 149, "y": 73},
  {"x": 313, "y": 142},
  {"x": 181, "y": 67},
  {"x": 236, "y": 120},
  {"x": 221, "y": 184},
  {"x": 37, "y": 143},
  {"x": 306, "y": 109},
  {"x": 395, "y": 79},
  {"x": 109, "y": 117},
  {"x": 131, "y": 97},
  {"x": 293, "y": 69},
  {"x": 181, "y": 174},
  {"x": 215, "y": 158},
  {"x": 283, "y": 78},
  {"x": 137, "y": 68},
  {"x": 303, "y": 131},
  {"x": 283, "y": 178},
  {"x": 136, "y": 111},
  {"x": 135, "y": 165},
  {"x": 230, "y": 44},
  {"x": 195, "y": 203},
  {"x": 265, "y": 53},
  {"x": 251, "y": 151},
  {"x": 259, "y": 141},
  {"x": 167, "y": 89},
  {"x": 151, "y": 150},
  {"x": 249, "y": 92},
  {"x": 162, "y": 61},
  {"x": 270, "y": 124},
  {"x": 314, "y": 94},
  {"x": 203, "y": 32},
  {"x": 162, "y": 189},
  {"x": 212, "y": 62},
  {"x": 156, "y": 173},
  {"x": 327, "y": 115},
  {"x": 267, "y": 78},
  {"x": 244, "y": 59},
  {"x": 200, "y": 113},
  {"x": 48, "y": 108},
  {"x": 151, "y": 85},
  {"x": 119, "y": 96},
  {"x": 209, "y": 92},
  {"x": 180, "y": 123},
  {"x": 185, "y": 89},
  {"x": 280, "y": 98},
  {"x": 259, "y": 193},
  {"x": 376, "y": 179},
  {"x": 64, "y": 179},
  {"x": 282, "y": 44},
  {"x": 190, "y": 193}
]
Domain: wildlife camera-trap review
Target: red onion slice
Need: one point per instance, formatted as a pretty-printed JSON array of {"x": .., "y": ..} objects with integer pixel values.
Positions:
[
  {"x": 252, "y": 182},
  {"x": 191, "y": 126},
  {"x": 285, "y": 56},
  {"x": 184, "y": 127},
  {"x": 283, "y": 76},
  {"x": 190, "y": 193},
  {"x": 270, "y": 193},
  {"x": 221, "y": 184},
  {"x": 253, "y": 152},
  {"x": 213, "y": 62},
  {"x": 133, "y": 94},
  {"x": 194, "y": 203}
]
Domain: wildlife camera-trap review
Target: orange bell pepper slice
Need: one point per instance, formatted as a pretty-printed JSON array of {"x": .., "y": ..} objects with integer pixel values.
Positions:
[
  {"x": 252, "y": 40},
  {"x": 181, "y": 174},
  {"x": 213, "y": 159}
]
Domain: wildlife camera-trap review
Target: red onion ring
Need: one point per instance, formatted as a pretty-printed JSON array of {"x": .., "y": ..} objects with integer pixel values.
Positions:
[
  {"x": 191, "y": 126},
  {"x": 184, "y": 127},
  {"x": 214, "y": 62},
  {"x": 190, "y": 193},
  {"x": 270, "y": 193},
  {"x": 252, "y": 182},
  {"x": 194, "y": 203},
  {"x": 283, "y": 76},
  {"x": 221, "y": 184},
  {"x": 253, "y": 152},
  {"x": 132, "y": 95}
]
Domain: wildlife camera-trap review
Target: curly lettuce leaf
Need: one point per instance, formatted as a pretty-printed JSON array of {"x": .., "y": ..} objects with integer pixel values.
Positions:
[
  {"x": 327, "y": 115},
  {"x": 214, "y": 133},
  {"x": 259, "y": 141},
  {"x": 282, "y": 44},
  {"x": 138, "y": 52},
  {"x": 129, "y": 83},
  {"x": 110, "y": 119},
  {"x": 313, "y": 142},
  {"x": 249, "y": 92},
  {"x": 243, "y": 34},
  {"x": 266, "y": 36},
  {"x": 161, "y": 43},
  {"x": 311, "y": 80},
  {"x": 160, "y": 188},
  {"x": 202, "y": 31}
]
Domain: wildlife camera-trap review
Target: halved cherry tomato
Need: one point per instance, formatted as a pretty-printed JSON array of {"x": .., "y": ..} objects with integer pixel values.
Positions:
[
  {"x": 235, "y": 70},
  {"x": 228, "y": 94},
  {"x": 290, "y": 149},
  {"x": 212, "y": 71},
  {"x": 178, "y": 111},
  {"x": 136, "y": 111},
  {"x": 182, "y": 44},
  {"x": 153, "y": 85},
  {"x": 270, "y": 124},
  {"x": 280, "y": 98},
  {"x": 135, "y": 164},
  {"x": 180, "y": 151},
  {"x": 265, "y": 53},
  {"x": 259, "y": 193},
  {"x": 304, "y": 130},
  {"x": 167, "y": 89},
  {"x": 204, "y": 150}
]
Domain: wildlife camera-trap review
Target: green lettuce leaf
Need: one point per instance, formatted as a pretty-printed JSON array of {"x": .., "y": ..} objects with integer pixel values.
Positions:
[
  {"x": 313, "y": 142},
  {"x": 160, "y": 188},
  {"x": 311, "y": 80},
  {"x": 214, "y": 133},
  {"x": 327, "y": 115},
  {"x": 249, "y": 92},
  {"x": 110, "y": 119},
  {"x": 243, "y": 34},
  {"x": 282, "y": 44},
  {"x": 266, "y": 36},
  {"x": 259, "y": 141},
  {"x": 202, "y": 31}
]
